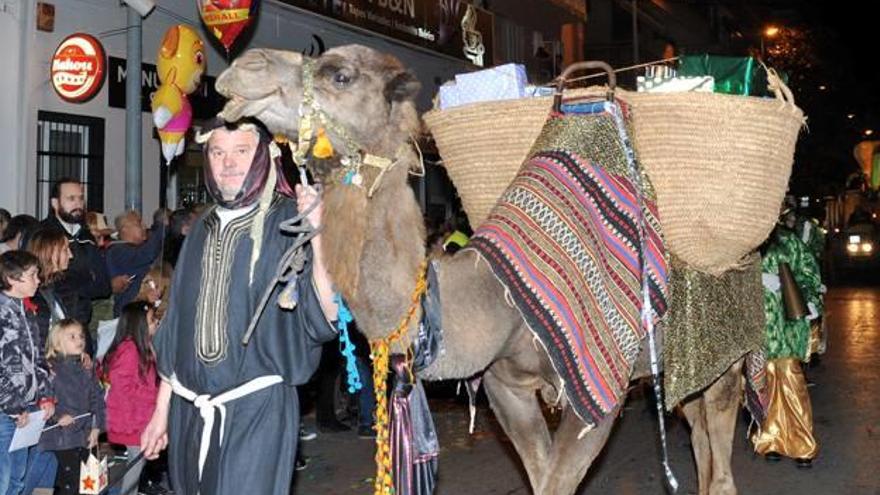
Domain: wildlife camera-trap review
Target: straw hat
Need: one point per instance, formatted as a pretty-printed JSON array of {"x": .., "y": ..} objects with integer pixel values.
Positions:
[{"x": 97, "y": 223}]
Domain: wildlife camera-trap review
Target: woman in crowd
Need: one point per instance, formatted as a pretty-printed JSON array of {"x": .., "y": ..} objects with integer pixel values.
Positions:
[{"x": 51, "y": 249}]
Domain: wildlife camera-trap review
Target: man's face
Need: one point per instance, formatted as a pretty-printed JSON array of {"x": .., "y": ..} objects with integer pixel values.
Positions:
[
  {"x": 70, "y": 203},
  {"x": 230, "y": 155}
]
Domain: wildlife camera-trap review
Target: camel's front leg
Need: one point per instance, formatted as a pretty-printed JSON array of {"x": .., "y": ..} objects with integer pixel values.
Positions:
[
  {"x": 519, "y": 412},
  {"x": 570, "y": 457}
]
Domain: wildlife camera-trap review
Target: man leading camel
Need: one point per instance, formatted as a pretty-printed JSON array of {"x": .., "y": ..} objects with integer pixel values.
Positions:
[{"x": 229, "y": 412}]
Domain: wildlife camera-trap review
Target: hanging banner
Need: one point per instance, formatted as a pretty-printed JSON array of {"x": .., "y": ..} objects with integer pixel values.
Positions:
[
  {"x": 77, "y": 69},
  {"x": 452, "y": 27}
]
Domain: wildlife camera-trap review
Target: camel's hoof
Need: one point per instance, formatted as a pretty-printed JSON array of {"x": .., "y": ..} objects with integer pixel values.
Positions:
[
  {"x": 803, "y": 463},
  {"x": 772, "y": 457}
]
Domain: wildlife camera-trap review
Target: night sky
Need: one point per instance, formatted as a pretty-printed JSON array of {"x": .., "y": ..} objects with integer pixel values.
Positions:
[{"x": 839, "y": 52}]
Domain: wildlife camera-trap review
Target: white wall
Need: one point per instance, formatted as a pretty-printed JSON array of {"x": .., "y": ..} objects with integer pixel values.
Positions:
[
  {"x": 25, "y": 87},
  {"x": 13, "y": 95}
]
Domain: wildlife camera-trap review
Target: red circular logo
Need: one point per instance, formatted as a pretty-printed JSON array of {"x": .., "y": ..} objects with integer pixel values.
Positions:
[{"x": 78, "y": 67}]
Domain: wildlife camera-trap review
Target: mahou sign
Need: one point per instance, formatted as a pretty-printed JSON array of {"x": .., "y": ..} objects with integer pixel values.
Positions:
[{"x": 78, "y": 68}]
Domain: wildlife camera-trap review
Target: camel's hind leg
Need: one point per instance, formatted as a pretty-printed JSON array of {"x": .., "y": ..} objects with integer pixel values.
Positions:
[
  {"x": 695, "y": 412},
  {"x": 571, "y": 457},
  {"x": 713, "y": 420},
  {"x": 519, "y": 412}
]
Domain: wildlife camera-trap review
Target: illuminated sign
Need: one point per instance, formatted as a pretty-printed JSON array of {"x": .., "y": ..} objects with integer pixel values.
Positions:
[{"x": 78, "y": 68}]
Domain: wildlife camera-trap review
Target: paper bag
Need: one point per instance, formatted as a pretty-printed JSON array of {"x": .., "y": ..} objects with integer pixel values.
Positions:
[{"x": 93, "y": 475}]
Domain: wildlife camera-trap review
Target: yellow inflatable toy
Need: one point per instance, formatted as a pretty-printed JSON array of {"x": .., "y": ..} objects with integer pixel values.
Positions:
[{"x": 181, "y": 63}]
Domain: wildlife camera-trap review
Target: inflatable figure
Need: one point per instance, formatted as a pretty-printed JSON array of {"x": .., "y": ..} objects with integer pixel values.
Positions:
[{"x": 181, "y": 63}]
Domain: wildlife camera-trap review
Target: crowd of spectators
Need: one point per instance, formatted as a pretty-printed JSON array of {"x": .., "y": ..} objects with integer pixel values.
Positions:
[{"x": 79, "y": 303}]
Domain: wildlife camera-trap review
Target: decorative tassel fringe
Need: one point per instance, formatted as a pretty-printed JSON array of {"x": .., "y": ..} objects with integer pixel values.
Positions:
[{"x": 346, "y": 346}]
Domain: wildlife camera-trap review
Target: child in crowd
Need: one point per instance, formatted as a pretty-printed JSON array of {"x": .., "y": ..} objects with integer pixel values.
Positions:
[
  {"x": 80, "y": 404},
  {"x": 130, "y": 370},
  {"x": 24, "y": 376}
]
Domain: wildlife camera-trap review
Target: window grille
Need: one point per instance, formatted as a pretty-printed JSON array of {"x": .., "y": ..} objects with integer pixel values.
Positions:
[{"x": 70, "y": 146}]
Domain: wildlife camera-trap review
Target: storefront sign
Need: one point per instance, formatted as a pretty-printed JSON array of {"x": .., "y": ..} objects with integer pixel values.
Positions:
[
  {"x": 453, "y": 27},
  {"x": 78, "y": 68},
  {"x": 205, "y": 101}
]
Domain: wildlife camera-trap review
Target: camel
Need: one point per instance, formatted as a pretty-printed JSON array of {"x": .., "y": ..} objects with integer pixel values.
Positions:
[{"x": 375, "y": 244}]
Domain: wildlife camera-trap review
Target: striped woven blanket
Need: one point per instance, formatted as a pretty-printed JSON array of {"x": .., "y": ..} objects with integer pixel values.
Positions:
[{"x": 572, "y": 239}]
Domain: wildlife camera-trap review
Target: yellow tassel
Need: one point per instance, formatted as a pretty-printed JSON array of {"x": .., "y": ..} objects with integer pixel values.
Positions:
[{"x": 323, "y": 148}]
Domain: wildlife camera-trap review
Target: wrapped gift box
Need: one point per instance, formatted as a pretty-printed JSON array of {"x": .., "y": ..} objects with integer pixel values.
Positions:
[
  {"x": 504, "y": 82},
  {"x": 678, "y": 84},
  {"x": 733, "y": 75}
]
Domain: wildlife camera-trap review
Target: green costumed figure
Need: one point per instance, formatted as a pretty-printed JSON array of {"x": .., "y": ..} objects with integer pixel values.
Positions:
[
  {"x": 813, "y": 235},
  {"x": 788, "y": 427}
]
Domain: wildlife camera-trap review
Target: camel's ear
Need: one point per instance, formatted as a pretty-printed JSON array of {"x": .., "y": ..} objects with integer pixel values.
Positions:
[{"x": 403, "y": 86}]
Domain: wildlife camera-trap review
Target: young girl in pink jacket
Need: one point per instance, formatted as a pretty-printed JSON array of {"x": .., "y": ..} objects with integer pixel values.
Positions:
[{"x": 130, "y": 369}]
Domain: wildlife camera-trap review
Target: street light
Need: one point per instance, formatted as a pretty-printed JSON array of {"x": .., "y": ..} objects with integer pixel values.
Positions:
[
  {"x": 768, "y": 32},
  {"x": 868, "y": 132}
]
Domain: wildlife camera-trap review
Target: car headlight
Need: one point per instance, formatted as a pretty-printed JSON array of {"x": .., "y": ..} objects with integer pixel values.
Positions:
[
  {"x": 852, "y": 248},
  {"x": 867, "y": 247}
]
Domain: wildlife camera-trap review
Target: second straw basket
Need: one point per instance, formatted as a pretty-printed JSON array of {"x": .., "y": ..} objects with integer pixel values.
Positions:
[{"x": 719, "y": 163}]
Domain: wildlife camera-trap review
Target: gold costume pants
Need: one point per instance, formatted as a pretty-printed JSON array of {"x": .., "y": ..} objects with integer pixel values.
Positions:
[{"x": 788, "y": 429}]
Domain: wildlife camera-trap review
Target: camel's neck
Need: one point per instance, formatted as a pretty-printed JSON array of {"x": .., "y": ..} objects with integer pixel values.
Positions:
[{"x": 374, "y": 247}]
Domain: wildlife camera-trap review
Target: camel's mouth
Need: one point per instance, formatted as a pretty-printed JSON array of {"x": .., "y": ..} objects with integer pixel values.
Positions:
[{"x": 235, "y": 108}]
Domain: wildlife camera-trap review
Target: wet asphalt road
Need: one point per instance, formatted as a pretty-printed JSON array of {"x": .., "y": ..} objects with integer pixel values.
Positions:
[{"x": 846, "y": 408}]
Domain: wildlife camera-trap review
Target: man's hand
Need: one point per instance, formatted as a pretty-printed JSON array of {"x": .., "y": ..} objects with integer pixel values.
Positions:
[
  {"x": 22, "y": 420},
  {"x": 93, "y": 438},
  {"x": 154, "y": 439},
  {"x": 65, "y": 420},
  {"x": 119, "y": 283},
  {"x": 305, "y": 196},
  {"x": 48, "y": 408}
]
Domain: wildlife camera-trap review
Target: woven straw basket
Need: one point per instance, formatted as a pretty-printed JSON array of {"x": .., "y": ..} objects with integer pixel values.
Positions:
[{"x": 719, "y": 163}]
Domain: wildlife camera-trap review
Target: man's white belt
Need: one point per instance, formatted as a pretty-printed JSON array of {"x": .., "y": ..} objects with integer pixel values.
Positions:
[{"x": 208, "y": 406}]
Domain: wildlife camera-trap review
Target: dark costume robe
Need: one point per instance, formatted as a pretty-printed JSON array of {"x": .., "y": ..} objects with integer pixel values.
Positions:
[{"x": 199, "y": 342}]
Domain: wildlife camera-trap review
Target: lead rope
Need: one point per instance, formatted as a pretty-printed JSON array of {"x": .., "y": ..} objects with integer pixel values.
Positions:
[{"x": 646, "y": 313}]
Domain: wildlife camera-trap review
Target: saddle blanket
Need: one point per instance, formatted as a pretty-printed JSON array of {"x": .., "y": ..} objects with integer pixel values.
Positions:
[{"x": 572, "y": 239}]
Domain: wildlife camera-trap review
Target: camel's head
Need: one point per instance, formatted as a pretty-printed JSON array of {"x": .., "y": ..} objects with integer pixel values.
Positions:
[{"x": 368, "y": 93}]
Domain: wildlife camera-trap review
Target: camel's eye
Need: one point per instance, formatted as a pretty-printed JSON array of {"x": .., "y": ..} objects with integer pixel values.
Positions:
[{"x": 341, "y": 79}]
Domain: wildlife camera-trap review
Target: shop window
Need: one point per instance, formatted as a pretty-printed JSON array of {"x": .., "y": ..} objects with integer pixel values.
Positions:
[{"x": 70, "y": 146}]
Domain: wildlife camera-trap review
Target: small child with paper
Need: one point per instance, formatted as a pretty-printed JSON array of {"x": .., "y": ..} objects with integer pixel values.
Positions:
[
  {"x": 80, "y": 410},
  {"x": 25, "y": 388}
]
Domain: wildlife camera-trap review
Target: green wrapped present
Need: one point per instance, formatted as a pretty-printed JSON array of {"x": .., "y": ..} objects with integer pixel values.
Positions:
[{"x": 733, "y": 75}]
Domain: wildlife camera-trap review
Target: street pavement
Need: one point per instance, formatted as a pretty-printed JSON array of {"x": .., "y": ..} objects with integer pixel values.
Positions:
[{"x": 846, "y": 409}]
